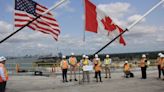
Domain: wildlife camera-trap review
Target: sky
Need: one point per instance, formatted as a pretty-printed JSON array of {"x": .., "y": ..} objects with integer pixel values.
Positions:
[{"x": 145, "y": 36}]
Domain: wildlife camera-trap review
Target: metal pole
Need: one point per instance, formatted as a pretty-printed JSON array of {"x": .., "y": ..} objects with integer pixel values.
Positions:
[
  {"x": 132, "y": 25},
  {"x": 110, "y": 42},
  {"x": 51, "y": 8},
  {"x": 147, "y": 13}
]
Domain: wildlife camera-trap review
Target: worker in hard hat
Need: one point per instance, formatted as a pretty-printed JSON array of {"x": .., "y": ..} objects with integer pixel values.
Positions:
[
  {"x": 85, "y": 62},
  {"x": 73, "y": 66},
  {"x": 94, "y": 60},
  {"x": 162, "y": 65},
  {"x": 126, "y": 70},
  {"x": 81, "y": 65},
  {"x": 3, "y": 74},
  {"x": 64, "y": 66},
  {"x": 107, "y": 63},
  {"x": 143, "y": 65},
  {"x": 158, "y": 63},
  {"x": 97, "y": 67}
]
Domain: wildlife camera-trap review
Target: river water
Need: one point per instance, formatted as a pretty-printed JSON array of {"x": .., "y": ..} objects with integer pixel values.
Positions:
[{"x": 23, "y": 62}]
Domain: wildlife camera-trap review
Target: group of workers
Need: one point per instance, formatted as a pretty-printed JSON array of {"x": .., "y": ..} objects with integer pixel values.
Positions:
[
  {"x": 96, "y": 64},
  {"x": 87, "y": 65},
  {"x": 159, "y": 62}
]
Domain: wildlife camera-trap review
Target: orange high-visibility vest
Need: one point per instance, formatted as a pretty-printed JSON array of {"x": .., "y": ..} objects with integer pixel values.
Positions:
[
  {"x": 142, "y": 63},
  {"x": 162, "y": 64},
  {"x": 160, "y": 61},
  {"x": 17, "y": 68},
  {"x": 97, "y": 66},
  {"x": 64, "y": 64},
  {"x": 126, "y": 67},
  {"x": 72, "y": 60},
  {"x": 5, "y": 73}
]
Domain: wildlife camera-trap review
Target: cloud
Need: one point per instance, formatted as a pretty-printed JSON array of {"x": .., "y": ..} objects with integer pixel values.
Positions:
[
  {"x": 5, "y": 27},
  {"x": 36, "y": 42},
  {"x": 66, "y": 6},
  {"x": 135, "y": 17},
  {"x": 115, "y": 10},
  {"x": 141, "y": 32},
  {"x": 160, "y": 37},
  {"x": 23, "y": 36},
  {"x": 141, "y": 37}
]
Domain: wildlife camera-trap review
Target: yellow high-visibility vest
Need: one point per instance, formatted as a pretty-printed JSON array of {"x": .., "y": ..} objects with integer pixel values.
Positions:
[
  {"x": 107, "y": 61},
  {"x": 85, "y": 62}
]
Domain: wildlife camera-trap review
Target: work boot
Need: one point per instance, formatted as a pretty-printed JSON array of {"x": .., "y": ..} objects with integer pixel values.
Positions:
[
  {"x": 97, "y": 80},
  {"x": 105, "y": 77},
  {"x": 100, "y": 80},
  {"x": 70, "y": 80},
  {"x": 66, "y": 80},
  {"x": 75, "y": 79}
]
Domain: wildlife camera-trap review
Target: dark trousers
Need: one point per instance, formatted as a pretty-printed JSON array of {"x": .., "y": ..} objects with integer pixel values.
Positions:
[
  {"x": 2, "y": 86},
  {"x": 64, "y": 74},
  {"x": 95, "y": 75},
  {"x": 127, "y": 74},
  {"x": 98, "y": 73},
  {"x": 163, "y": 72},
  {"x": 159, "y": 71},
  {"x": 143, "y": 71}
]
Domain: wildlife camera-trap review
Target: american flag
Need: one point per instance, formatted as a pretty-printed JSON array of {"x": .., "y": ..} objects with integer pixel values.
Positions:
[{"x": 27, "y": 10}]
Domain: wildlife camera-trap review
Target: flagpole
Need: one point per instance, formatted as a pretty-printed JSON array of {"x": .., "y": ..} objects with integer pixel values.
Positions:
[
  {"x": 84, "y": 22},
  {"x": 131, "y": 26},
  {"x": 51, "y": 8}
]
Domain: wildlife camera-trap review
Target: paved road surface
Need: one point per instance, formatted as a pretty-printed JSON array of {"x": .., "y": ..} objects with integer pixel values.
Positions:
[{"x": 116, "y": 84}]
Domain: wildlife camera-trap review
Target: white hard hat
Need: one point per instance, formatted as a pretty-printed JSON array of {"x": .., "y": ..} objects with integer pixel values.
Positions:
[
  {"x": 64, "y": 57},
  {"x": 2, "y": 58},
  {"x": 159, "y": 54},
  {"x": 72, "y": 54},
  {"x": 107, "y": 55},
  {"x": 162, "y": 56},
  {"x": 143, "y": 55},
  {"x": 126, "y": 61},
  {"x": 96, "y": 56},
  {"x": 86, "y": 57}
]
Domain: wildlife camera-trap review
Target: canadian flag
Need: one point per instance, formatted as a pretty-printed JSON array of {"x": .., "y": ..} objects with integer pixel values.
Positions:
[{"x": 96, "y": 19}]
